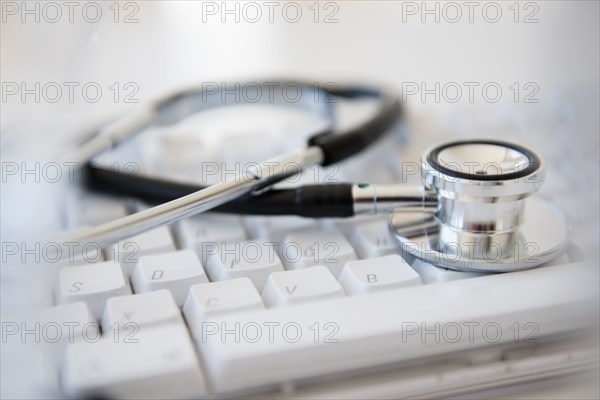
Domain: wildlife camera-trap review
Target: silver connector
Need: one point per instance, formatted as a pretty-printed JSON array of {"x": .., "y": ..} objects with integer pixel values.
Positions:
[{"x": 379, "y": 199}]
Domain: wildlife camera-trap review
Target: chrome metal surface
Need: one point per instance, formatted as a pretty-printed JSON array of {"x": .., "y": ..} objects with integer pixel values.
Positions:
[
  {"x": 474, "y": 210},
  {"x": 376, "y": 199},
  {"x": 483, "y": 159},
  {"x": 543, "y": 236},
  {"x": 491, "y": 161}
]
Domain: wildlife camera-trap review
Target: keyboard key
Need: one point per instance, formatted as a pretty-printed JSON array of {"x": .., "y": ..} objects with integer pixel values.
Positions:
[
  {"x": 380, "y": 168},
  {"x": 255, "y": 260},
  {"x": 29, "y": 372},
  {"x": 373, "y": 239},
  {"x": 245, "y": 148},
  {"x": 50, "y": 329},
  {"x": 194, "y": 232},
  {"x": 176, "y": 271},
  {"x": 220, "y": 297},
  {"x": 291, "y": 287},
  {"x": 177, "y": 154},
  {"x": 129, "y": 313},
  {"x": 129, "y": 251},
  {"x": 386, "y": 327},
  {"x": 79, "y": 254},
  {"x": 158, "y": 362},
  {"x": 90, "y": 209},
  {"x": 308, "y": 248},
  {"x": 73, "y": 257},
  {"x": 93, "y": 284},
  {"x": 431, "y": 274},
  {"x": 347, "y": 225},
  {"x": 276, "y": 227},
  {"x": 377, "y": 274}
]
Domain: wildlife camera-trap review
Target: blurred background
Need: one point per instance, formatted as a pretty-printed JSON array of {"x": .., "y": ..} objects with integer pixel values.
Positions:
[
  {"x": 543, "y": 56},
  {"x": 160, "y": 46}
]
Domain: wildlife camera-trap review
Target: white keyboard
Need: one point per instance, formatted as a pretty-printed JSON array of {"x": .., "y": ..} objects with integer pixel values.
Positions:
[{"x": 286, "y": 307}]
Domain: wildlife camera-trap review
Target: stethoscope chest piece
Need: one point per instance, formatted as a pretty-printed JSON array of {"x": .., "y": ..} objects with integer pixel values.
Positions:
[{"x": 486, "y": 219}]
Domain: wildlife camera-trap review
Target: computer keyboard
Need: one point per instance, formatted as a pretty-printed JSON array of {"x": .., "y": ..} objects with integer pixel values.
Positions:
[{"x": 287, "y": 307}]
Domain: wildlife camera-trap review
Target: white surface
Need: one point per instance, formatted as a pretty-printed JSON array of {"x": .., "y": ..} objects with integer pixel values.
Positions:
[{"x": 432, "y": 274}]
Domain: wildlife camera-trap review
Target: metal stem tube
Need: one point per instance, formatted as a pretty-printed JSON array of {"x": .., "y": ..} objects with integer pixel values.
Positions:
[{"x": 378, "y": 199}]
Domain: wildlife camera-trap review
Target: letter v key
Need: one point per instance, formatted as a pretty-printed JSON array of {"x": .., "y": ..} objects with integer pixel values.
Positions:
[{"x": 287, "y": 288}]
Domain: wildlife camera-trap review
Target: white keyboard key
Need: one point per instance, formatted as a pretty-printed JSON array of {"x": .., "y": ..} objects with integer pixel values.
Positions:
[
  {"x": 373, "y": 239},
  {"x": 252, "y": 259},
  {"x": 79, "y": 254},
  {"x": 50, "y": 328},
  {"x": 431, "y": 274},
  {"x": 347, "y": 225},
  {"x": 245, "y": 148},
  {"x": 220, "y": 297},
  {"x": 176, "y": 153},
  {"x": 194, "y": 232},
  {"x": 28, "y": 373},
  {"x": 176, "y": 271},
  {"x": 92, "y": 284},
  {"x": 77, "y": 257},
  {"x": 365, "y": 331},
  {"x": 379, "y": 168},
  {"x": 275, "y": 228},
  {"x": 309, "y": 284},
  {"x": 129, "y": 251},
  {"x": 91, "y": 209},
  {"x": 129, "y": 313},
  {"x": 159, "y": 362},
  {"x": 377, "y": 274},
  {"x": 308, "y": 248}
]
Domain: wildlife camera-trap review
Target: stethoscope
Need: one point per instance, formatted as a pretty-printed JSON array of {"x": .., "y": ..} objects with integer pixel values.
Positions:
[{"x": 469, "y": 215}]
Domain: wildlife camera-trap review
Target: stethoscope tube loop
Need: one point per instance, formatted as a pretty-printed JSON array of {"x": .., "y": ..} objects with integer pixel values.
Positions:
[{"x": 340, "y": 147}]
